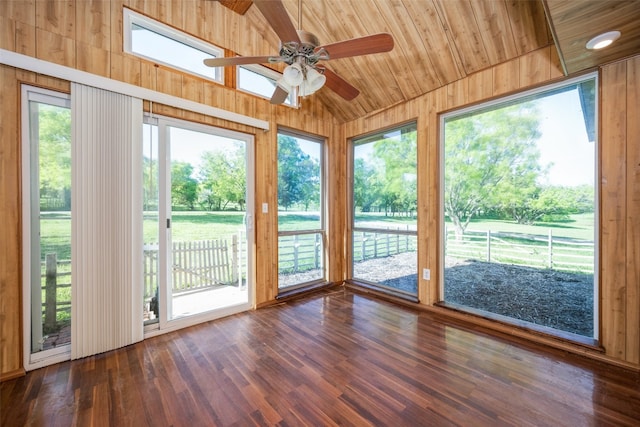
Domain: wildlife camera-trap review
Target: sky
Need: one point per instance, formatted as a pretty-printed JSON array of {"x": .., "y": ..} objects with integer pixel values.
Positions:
[{"x": 564, "y": 141}]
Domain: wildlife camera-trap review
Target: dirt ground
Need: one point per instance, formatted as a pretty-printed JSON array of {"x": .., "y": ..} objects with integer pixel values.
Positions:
[{"x": 545, "y": 297}]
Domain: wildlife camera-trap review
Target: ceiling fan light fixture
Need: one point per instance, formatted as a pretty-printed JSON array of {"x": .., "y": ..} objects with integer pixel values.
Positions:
[
  {"x": 314, "y": 81},
  {"x": 293, "y": 75},
  {"x": 603, "y": 40}
]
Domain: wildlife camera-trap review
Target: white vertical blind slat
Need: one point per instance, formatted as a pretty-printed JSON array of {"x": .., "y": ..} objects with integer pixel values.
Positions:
[{"x": 106, "y": 221}]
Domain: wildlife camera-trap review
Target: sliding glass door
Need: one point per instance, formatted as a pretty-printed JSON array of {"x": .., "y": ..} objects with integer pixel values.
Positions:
[
  {"x": 198, "y": 220},
  {"x": 46, "y": 225}
]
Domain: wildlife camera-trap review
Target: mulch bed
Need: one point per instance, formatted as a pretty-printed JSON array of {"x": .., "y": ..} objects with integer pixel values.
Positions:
[{"x": 550, "y": 298}]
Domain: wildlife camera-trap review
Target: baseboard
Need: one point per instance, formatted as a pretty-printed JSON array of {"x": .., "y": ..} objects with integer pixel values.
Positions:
[{"x": 6, "y": 376}]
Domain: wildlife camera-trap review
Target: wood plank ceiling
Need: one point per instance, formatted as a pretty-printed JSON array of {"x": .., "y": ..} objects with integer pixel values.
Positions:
[
  {"x": 436, "y": 41},
  {"x": 574, "y": 23}
]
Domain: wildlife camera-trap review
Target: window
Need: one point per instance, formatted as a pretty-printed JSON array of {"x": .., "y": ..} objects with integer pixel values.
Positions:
[
  {"x": 518, "y": 200},
  {"x": 158, "y": 42},
  {"x": 261, "y": 81},
  {"x": 384, "y": 202},
  {"x": 301, "y": 230}
]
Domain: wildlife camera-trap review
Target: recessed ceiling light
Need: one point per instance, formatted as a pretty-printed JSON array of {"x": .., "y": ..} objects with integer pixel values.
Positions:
[{"x": 603, "y": 40}]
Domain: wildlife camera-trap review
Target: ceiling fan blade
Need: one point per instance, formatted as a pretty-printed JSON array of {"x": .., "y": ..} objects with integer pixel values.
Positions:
[
  {"x": 240, "y": 60},
  {"x": 376, "y": 43},
  {"x": 279, "y": 96},
  {"x": 277, "y": 16},
  {"x": 340, "y": 85}
]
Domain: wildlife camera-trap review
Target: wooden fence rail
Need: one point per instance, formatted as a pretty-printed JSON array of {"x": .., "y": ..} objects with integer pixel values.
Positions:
[
  {"x": 197, "y": 264},
  {"x": 57, "y": 276},
  {"x": 527, "y": 250}
]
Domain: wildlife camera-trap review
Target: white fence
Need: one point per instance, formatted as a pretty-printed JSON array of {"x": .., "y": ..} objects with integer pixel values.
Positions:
[{"x": 522, "y": 249}]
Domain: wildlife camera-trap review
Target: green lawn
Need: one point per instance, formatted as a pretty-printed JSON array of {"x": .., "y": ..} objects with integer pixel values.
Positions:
[
  {"x": 56, "y": 226},
  {"x": 577, "y": 227}
]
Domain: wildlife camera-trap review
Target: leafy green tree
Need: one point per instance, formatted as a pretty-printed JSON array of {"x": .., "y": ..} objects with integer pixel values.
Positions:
[
  {"x": 150, "y": 183},
  {"x": 397, "y": 168},
  {"x": 184, "y": 188},
  {"x": 55, "y": 153},
  {"x": 367, "y": 188},
  {"x": 298, "y": 174},
  {"x": 223, "y": 179},
  {"x": 490, "y": 157}
]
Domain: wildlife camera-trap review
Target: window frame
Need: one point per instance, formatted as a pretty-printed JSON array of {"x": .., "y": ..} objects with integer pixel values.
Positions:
[
  {"x": 322, "y": 230},
  {"x": 371, "y": 138},
  {"x": 59, "y": 99},
  {"x": 130, "y": 18},
  {"x": 505, "y": 101}
]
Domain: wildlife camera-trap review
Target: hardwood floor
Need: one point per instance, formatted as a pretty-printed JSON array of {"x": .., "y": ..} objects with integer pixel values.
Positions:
[{"x": 334, "y": 358}]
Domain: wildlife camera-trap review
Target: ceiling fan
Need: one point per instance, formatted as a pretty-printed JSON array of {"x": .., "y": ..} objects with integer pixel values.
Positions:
[{"x": 302, "y": 52}]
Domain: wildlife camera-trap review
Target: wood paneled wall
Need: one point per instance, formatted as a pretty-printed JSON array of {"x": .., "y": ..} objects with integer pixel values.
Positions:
[
  {"x": 87, "y": 35},
  {"x": 619, "y": 169}
]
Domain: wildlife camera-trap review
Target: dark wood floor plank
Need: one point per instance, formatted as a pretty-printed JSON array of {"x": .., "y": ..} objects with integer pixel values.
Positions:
[{"x": 334, "y": 358}]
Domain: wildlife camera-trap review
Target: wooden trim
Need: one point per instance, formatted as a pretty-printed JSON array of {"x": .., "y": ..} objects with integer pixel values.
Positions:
[
  {"x": 579, "y": 340},
  {"x": 71, "y": 74},
  {"x": 526, "y": 336},
  {"x": 366, "y": 289},
  {"x": 11, "y": 375},
  {"x": 304, "y": 290}
]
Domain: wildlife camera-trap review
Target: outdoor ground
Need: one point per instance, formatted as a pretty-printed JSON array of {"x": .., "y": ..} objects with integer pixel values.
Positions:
[{"x": 545, "y": 297}]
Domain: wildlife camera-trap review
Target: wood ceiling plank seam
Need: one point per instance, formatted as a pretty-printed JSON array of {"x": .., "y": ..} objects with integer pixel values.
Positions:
[
  {"x": 455, "y": 50},
  {"x": 429, "y": 26},
  {"x": 339, "y": 67},
  {"x": 528, "y": 24},
  {"x": 572, "y": 33},
  {"x": 554, "y": 36},
  {"x": 495, "y": 30},
  {"x": 403, "y": 70},
  {"x": 465, "y": 34},
  {"x": 358, "y": 70},
  {"x": 402, "y": 18},
  {"x": 395, "y": 64}
]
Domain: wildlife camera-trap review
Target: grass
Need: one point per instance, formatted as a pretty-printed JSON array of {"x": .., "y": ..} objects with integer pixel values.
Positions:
[
  {"x": 56, "y": 229},
  {"x": 56, "y": 226},
  {"x": 577, "y": 227}
]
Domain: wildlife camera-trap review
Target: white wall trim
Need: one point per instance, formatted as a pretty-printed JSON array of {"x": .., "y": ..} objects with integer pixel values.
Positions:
[{"x": 39, "y": 66}]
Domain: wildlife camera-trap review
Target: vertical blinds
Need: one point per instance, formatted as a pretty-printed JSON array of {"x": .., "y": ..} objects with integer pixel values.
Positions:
[{"x": 106, "y": 211}]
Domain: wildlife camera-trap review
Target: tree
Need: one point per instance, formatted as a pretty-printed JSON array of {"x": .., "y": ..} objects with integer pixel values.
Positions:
[
  {"x": 367, "y": 188},
  {"x": 223, "y": 179},
  {"x": 397, "y": 168},
  {"x": 54, "y": 128},
  {"x": 298, "y": 174},
  {"x": 490, "y": 157},
  {"x": 149, "y": 183},
  {"x": 184, "y": 188}
]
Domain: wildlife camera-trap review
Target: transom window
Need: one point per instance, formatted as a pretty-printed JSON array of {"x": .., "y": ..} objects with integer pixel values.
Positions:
[{"x": 158, "y": 42}]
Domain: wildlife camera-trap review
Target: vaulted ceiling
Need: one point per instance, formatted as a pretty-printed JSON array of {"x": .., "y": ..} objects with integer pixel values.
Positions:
[{"x": 440, "y": 41}]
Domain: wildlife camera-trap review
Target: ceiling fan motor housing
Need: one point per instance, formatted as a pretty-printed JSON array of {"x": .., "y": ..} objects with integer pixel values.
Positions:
[{"x": 305, "y": 51}]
